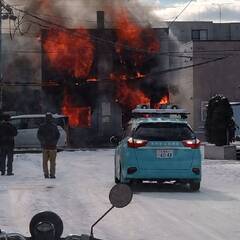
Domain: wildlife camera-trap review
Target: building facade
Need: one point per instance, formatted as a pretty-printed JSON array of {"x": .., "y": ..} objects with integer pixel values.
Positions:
[{"x": 197, "y": 60}]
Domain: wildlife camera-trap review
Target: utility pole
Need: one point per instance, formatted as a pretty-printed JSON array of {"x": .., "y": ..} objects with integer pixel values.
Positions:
[
  {"x": 6, "y": 12},
  {"x": 220, "y": 9}
]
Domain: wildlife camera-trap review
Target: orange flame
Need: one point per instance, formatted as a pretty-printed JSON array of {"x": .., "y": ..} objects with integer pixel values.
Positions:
[
  {"x": 163, "y": 101},
  {"x": 78, "y": 116},
  {"x": 132, "y": 35},
  {"x": 92, "y": 80},
  {"x": 130, "y": 97},
  {"x": 70, "y": 52}
]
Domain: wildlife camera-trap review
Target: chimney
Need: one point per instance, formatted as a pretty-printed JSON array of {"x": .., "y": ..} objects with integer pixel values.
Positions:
[{"x": 100, "y": 19}]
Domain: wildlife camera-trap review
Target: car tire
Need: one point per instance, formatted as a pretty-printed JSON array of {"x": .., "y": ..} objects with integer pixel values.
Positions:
[{"x": 194, "y": 186}]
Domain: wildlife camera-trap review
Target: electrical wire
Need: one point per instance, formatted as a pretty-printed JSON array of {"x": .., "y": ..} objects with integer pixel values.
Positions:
[
  {"x": 59, "y": 26},
  {"x": 180, "y": 13},
  {"x": 52, "y": 84},
  {"x": 47, "y": 22},
  {"x": 108, "y": 41}
]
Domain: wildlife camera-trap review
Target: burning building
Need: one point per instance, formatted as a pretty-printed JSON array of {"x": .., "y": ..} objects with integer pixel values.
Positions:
[{"x": 97, "y": 76}]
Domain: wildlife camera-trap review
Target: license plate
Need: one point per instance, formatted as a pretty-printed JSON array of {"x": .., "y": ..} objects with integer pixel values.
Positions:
[{"x": 163, "y": 153}]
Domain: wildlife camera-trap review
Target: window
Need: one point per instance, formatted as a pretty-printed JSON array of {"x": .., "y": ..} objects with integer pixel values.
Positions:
[
  {"x": 16, "y": 123},
  {"x": 164, "y": 132},
  {"x": 35, "y": 122},
  {"x": 200, "y": 34},
  {"x": 61, "y": 121}
]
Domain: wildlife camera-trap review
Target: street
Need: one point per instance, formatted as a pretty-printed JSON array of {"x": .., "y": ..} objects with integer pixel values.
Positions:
[{"x": 79, "y": 195}]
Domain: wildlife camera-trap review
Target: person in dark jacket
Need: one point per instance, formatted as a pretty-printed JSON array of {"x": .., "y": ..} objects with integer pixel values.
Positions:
[
  {"x": 7, "y": 133},
  {"x": 48, "y": 135}
]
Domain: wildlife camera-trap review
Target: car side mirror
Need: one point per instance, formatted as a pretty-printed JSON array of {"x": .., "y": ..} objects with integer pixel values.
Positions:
[
  {"x": 115, "y": 140},
  {"x": 120, "y": 196}
]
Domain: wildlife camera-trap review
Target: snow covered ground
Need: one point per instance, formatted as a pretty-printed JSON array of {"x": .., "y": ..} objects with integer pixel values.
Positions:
[{"x": 80, "y": 195}]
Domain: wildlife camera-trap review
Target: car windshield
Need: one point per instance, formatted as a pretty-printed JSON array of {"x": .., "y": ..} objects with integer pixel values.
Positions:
[{"x": 164, "y": 132}]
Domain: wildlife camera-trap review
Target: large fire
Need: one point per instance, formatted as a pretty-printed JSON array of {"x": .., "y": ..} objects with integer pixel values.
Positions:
[
  {"x": 70, "y": 52},
  {"x": 78, "y": 116},
  {"x": 131, "y": 36},
  {"x": 130, "y": 97},
  {"x": 135, "y": 44},
  {"x": 164, "y": 100}
]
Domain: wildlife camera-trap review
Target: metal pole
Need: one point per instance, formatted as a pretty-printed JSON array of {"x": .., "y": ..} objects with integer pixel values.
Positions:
[
  {"x": 91, "y": 234},
  {"x": 220, "y": 9}
]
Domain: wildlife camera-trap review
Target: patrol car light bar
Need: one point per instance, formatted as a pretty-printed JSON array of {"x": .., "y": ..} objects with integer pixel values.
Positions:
[{"x": 160, "y": 111}]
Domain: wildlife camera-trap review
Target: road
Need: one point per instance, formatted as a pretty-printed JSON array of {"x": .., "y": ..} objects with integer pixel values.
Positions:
[{"x": 79, "y": 195}]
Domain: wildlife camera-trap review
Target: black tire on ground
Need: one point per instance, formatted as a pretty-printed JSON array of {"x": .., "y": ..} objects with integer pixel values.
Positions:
[
  {"x": 47, "y": 216},
  {"x": 194, "y": 186}
]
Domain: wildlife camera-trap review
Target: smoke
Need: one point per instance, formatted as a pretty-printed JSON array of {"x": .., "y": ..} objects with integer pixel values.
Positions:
[{"x": 82, "y": 13}]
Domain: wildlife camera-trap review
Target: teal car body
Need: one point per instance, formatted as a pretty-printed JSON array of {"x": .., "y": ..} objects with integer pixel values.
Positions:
[{"x": 159, "y": 149}]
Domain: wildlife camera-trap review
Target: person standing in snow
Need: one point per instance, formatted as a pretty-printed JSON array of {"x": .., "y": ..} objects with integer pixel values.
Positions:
[
  {"x": 48, "y": 135},
  {"x": 7, "y": 133}
]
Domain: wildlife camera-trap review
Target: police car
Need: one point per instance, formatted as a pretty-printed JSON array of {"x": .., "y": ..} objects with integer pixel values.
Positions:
[{"x": 159, "y": 145}]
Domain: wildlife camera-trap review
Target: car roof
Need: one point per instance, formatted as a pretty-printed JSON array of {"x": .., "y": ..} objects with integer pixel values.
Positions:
[{"x": 37, "y": 116}]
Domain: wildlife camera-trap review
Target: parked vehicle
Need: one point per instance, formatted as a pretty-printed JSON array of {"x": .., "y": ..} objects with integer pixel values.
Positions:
[
  {"x": 158, "y": 145},
  {"x": 27, "y": 126}
]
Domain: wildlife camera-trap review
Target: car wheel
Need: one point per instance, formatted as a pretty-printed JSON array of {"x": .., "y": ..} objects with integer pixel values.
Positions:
[{"x": 194, "y": 186}]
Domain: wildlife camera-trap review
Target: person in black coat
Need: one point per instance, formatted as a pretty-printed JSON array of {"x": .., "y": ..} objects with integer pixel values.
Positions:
[
  {"x": 7, "y": 134},
  {"x": 48, "y": 135}
]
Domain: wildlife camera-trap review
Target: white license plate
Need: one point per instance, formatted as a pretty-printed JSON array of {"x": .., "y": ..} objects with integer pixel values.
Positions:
[{"x": 164, "y": 153}]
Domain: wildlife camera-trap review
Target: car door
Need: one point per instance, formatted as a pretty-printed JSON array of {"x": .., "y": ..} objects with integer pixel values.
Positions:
[
  {"x": 33, "y": 126},
  {"x": 23, "y": 138},
  {"x": 62, "y": 124},
  {"x": 123, "y": 152}
]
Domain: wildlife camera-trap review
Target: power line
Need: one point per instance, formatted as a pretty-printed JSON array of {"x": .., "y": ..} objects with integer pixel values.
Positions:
[
  {"x": 51, "y": 84},
  {"x": 140, "y": 50},
  {"x": 180, "y": 13},
  {"x": 188, "y": 66}
]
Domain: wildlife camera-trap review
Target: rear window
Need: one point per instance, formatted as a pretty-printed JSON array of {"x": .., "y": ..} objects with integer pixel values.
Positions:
[{"x": 164, "y": 132}]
